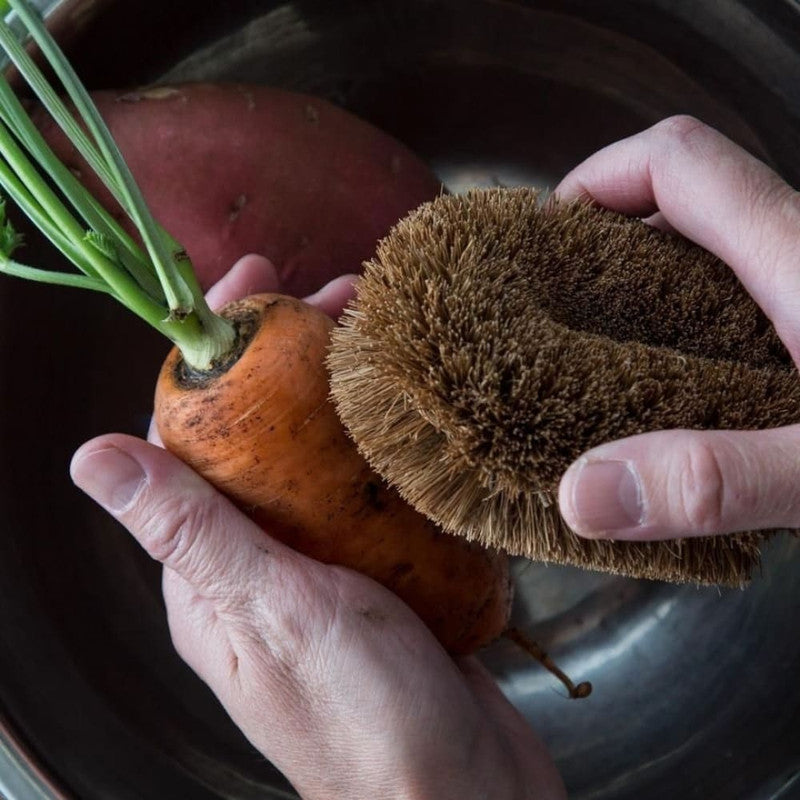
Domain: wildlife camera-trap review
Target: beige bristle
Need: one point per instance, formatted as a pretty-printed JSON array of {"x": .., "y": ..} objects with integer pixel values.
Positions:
[{"x": 496, "y": 337}]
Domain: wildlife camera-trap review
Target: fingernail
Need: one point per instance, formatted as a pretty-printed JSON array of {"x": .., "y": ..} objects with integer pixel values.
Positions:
[
  {"x": 606, "y": 497},
  {"x": 109, "y": 476}
]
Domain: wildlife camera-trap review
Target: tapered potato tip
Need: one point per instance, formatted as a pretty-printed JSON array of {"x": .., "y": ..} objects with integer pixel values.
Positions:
[{"x": 496, "y": 336}]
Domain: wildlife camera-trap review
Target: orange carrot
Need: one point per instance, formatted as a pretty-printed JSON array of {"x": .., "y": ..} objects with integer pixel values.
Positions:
[{"x": 264, "y": 431}]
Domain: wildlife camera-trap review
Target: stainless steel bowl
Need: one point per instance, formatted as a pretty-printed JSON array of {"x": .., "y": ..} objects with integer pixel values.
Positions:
[{"x": 695, "y": 692}]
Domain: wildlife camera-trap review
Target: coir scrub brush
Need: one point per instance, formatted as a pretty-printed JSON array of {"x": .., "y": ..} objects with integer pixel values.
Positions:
[{"x": 496, "y": 336}]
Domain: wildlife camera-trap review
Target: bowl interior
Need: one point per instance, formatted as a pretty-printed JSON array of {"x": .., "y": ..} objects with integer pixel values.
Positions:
[{"x": 693, "y": 696}]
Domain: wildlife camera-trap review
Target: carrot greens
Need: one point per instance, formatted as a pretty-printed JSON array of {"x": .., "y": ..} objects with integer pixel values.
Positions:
[{"x": 155, "y": 280}]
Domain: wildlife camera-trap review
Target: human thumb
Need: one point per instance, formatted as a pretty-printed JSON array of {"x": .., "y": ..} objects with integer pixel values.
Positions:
[
  {"x": 677, "y": 483},
  {"x": 177, "y": 517}
]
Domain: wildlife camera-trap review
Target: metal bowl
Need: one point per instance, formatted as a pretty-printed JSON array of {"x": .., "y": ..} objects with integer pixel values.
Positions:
[{"x": 695, "y": 692}]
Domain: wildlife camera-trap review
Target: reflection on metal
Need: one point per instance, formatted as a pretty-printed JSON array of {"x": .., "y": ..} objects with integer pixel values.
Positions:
[{"x": 21, "y": 777}]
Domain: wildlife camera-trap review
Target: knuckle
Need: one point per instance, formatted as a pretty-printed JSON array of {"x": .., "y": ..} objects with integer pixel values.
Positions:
[
  {"x": 283, "y": 636},
  {"x": 174, "y": 526},
  {"x": 305, "y": 625},
  {"x": 675, "y": 141},
  {"x": 680, "y": 130},
  {"x": 701, "y": 489}
]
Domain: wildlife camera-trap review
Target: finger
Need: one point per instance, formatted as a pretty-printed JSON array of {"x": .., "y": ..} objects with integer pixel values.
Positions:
[
  {"x": 251, "y": 274},
  {"x": 334, "y": 296},
  {"x": 714, "y": 193},
  {"x": 177, "y": 517},
  {"x": 672, "y": 484}
]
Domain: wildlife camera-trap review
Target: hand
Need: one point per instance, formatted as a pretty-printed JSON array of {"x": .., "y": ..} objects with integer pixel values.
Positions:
[
  {"x": 682, "y": 174},
  {"x": 327, "y": 673}
]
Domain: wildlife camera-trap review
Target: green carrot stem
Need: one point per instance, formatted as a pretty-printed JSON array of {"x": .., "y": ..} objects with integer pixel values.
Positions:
[
  {"x": 54, "y": 105},
  {"x": 159, "y": 285},
  {"x": 11, "y": 267},
  {"x": 179, "y": 296},
  {"x": 25, "y": 132},
  {"x": 36, "y": 187},
  {"x": 21, "y": 181}
]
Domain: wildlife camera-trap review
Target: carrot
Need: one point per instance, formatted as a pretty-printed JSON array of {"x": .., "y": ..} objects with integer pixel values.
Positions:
[
  {"x": 264, "y": 431},
  {"x": 243, "y": 396}
]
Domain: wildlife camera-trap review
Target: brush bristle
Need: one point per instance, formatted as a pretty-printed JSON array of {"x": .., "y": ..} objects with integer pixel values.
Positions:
[{"x": 496, "y": 337}]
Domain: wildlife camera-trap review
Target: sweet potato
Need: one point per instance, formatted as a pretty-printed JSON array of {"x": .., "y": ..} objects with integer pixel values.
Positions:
[{"x": 234, "y": 169}]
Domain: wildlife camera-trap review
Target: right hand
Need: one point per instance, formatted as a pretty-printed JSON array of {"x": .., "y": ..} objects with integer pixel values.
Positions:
[{"x": 668, "y": 484}]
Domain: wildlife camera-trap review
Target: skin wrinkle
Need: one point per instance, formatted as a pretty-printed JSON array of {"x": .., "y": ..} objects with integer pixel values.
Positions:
[
  {"x": 406, "y": 710},
  {"x": 390, "y": 712},
  {"x": 288, "y": 700},
  {"x": 765, "y": 203},
  {"x": 189, "y": 613},
  {"x": 506, "y": 725},
  {"x": 164, "y": 530},
  {"x": 281, "y": 622},
  {"x": 174, "y": 522},
  {"x": 781, "y": 448},
  {"x": 233, "y": 669},
  {"x": 701, "y": 489},
  {"x": 742, "y": 493},
  {"x": 308, "y": 651},
  {"x": 670, "y": 191}
]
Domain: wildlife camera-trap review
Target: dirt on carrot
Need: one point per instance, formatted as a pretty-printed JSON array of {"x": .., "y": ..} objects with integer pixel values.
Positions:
[{"x": 265, "y": 432}]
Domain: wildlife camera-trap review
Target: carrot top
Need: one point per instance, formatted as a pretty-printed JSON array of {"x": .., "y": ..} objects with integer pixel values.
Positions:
[{"x": 154, "y": 279}]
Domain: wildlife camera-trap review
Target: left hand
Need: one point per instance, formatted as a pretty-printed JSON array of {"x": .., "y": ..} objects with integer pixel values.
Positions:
[{"x": 328, "y": 674}]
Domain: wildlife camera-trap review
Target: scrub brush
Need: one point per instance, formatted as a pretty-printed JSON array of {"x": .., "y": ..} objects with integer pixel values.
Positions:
[{"x": 497, "y": 335}]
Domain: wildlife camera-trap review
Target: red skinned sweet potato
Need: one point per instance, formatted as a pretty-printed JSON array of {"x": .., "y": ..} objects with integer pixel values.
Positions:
[{"x": 232, "y": 169}]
